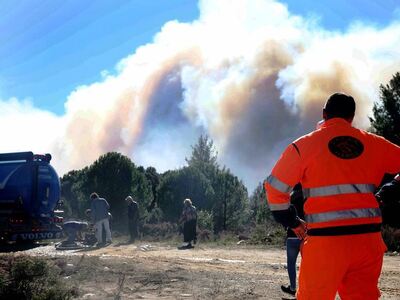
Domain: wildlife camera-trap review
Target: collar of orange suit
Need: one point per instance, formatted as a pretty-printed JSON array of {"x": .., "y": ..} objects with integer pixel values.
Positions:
[{"x": 335, "y": 121}]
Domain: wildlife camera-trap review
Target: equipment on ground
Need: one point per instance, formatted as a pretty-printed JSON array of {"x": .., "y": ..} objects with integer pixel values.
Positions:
[{"x": 79, "y": 235}]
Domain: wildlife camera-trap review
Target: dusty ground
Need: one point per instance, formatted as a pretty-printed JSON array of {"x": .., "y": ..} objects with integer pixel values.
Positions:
[{"x": 160, "y": 271}]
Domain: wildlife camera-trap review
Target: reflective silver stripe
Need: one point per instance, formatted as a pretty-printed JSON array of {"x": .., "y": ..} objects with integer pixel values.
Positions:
[
  {"x": 274, "y": 207},
  {"x": 279, "y": 185},
  {"x": 343, "y": 214},
  {"x": 339, "y": 189}
]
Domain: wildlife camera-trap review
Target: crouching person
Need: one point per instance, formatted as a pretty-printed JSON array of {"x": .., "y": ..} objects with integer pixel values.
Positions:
[
  {"x": 189, "y": 220},
  {"x": 100, "y": 217},
  {"x": 73, "y": 230}
]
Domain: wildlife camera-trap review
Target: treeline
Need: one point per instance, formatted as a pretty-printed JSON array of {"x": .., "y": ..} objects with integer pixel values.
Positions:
[{"x": 220, "y": 197}]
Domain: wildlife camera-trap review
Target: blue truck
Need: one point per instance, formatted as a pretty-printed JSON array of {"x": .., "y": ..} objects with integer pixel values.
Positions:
[{"x": 29, "y": 196}]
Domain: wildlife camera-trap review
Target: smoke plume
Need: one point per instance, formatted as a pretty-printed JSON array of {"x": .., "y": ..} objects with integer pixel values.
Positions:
[{"x": 249, "y": 74}]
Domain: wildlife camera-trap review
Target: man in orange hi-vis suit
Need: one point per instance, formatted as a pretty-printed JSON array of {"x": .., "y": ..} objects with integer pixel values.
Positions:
[{"x": 340, "y": 168}]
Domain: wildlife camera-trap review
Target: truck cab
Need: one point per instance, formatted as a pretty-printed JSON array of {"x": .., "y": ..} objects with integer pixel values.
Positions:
[{"x": 29, "y": 195}]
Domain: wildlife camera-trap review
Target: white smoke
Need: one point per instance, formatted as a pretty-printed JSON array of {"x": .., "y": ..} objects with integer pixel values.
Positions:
[
  {"x": 24, "y": 127},
  {"x": 248, "y": 73}
]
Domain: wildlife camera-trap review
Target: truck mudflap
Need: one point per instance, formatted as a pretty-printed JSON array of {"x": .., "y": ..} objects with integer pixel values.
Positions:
[{"x": 35, "y": 236}]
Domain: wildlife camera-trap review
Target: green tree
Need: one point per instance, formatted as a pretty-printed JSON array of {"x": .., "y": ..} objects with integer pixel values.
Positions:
[
  {"x": 142, "y": 190},
  {"x": 260, "y": 211},
  {"x": 177, "y": 185},
  {"x": 193, "y": 181},
  {"x": 113, "y": 176},
  {"x": 69, "y": 199},
  {"x": 74, "y": 192},
  {"x": 211, "y": 188},
  {"x": 203, "y": 155},
  {"x": 386, "y": 119},
  {"x": 154, "y": 179},
  {"x": 230, "y": 207}
]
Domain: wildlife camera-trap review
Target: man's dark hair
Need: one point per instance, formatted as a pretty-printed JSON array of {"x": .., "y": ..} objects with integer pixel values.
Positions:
[
  {"x": 340, "y": 105},
  {"x": 94, "y": 196}
]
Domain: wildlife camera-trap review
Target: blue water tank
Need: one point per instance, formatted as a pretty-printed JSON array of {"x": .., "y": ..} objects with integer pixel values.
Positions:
[{"x": 30, "y": 182}]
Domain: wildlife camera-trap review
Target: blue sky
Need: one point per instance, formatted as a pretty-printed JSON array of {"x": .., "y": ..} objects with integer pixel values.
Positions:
[{"x": 50, "y": 47}]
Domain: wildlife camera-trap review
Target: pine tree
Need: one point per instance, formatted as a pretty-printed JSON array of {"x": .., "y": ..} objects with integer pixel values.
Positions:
[
  {"x": 203, "y": 153},
  {"x": 386, "y": 120}
]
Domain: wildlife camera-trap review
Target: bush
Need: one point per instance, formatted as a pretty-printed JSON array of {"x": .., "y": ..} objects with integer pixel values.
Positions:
[
  {"x": 154, "y": 216},
  {"x": 204, "y": 235},
  {"x": 160, "y": 230},
  {"x": 269, "y": 233},
  {"x": 32, "y": 278},
  {"x": 205, "y": 220},
  {"x": 391, "y": 236},
  {"x": 225, "y": 238}
]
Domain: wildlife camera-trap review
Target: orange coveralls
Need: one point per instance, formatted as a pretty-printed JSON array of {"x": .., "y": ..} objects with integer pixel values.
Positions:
[{"x": 340, "y": 168}]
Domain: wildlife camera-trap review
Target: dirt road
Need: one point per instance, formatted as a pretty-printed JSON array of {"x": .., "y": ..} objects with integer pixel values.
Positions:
[{"x": 159, "y": 271}]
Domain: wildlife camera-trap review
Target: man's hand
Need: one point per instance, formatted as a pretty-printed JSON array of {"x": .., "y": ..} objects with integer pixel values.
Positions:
[{"x": 301, "y": 230}]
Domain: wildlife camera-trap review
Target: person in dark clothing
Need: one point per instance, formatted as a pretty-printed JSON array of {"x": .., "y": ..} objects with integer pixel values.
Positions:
[
  {"x": 388, "y": 196},
  {"x": 133, "y": 218},
  {"x": 292, "y": 241},
  {"x": 189, "y": 220}
]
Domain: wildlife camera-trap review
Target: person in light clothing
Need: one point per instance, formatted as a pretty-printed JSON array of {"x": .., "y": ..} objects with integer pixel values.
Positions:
[{"x": 99, "y": 214}]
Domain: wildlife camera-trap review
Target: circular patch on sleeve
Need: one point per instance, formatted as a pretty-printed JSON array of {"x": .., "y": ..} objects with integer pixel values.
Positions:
[{"x": 346, "y": 147}]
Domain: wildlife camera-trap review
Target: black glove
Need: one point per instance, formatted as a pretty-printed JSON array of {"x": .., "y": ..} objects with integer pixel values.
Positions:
[
  {"x": 389, "y": 193},
  {"x": 287, "y": 217}
]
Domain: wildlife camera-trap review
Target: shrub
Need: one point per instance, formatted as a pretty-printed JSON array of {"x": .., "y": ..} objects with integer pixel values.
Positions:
[
  {"x": 154, "y": 216},
  {"x": 160, "y": 230},
  {"x": 205, "y": 220},
  {"x": 204, "y": 235},
  {"x": 32, "y": 278},
  {"x": 269, "y": 233},
  {"x": 225, "y": 238}
]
